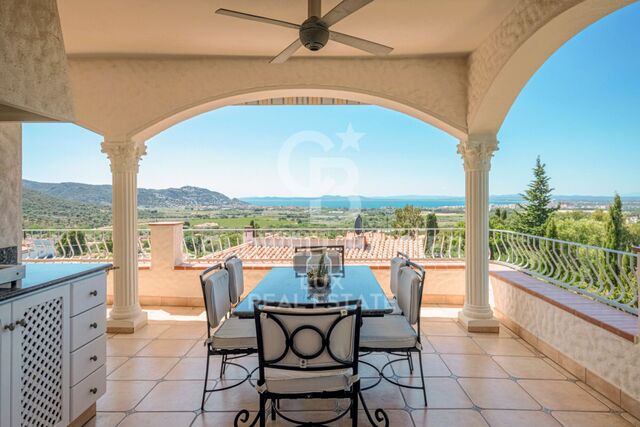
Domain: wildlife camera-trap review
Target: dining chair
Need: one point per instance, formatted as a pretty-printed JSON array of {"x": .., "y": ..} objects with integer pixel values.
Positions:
[
  {"x": 302, "y": 254},
  {"x": 233, "y": 265},
  {"x": 308, "y": 351},
  {"x": 397, "y": 262},
  {"x": 228, "y": 337},
  {"x": 397, "y": 335}
]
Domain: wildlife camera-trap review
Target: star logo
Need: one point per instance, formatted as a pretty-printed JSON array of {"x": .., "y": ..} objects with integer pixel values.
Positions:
[{"x": 350, "y": 138}]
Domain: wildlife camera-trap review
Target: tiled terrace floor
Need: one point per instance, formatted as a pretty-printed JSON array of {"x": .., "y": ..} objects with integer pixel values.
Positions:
[{"x": 155, "y": 379}]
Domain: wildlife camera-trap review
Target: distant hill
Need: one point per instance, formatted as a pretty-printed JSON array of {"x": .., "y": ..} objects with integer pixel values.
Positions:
[
  {"x": 147, "y": 198},
  {"x": 39, "y": 210}
]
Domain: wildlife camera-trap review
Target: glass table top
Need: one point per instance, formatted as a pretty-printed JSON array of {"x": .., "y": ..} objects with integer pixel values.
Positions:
[{"x": 283, "y": 284}]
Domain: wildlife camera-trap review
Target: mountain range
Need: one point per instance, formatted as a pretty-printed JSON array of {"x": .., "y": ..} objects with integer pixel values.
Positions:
[{"x": 147, "y": 198}]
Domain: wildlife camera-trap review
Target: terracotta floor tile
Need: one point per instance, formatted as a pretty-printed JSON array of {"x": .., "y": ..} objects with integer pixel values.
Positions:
[
  {"x": 562, "y": 395},
  {"x": 216, "y": 419},
  {"x": 144, "y": 368},
  {"x": 502, "y": 347},
  {"x": 173, "y": 396},
  {"x": 450, "y": 329},
  {"x": 235, "y": 399},
  {"x": 432, "y": 365},
  {"x": 479, "y": 366},
  {"x": 150, "y": 419},
  {"x": 149, "y": 331},
  {"x": 166, "y": 348},
  {"x": 441, "y": 393},
  {"x": 198, "y": 350},
  {"x": 590, "y": 419},
  {"x": 187, "y": 332},
  {"x": 448, "y": 418},
  {"x": 528, "y": 367},
  {"x": 105, "y": 419},
  {"x": 510, "y": 418},
  {"x": 125, "y": 347},
  {"x": 114, "y": 362},
  {"x": 497, "y": 394},
  {"x": 123, "y": 395},
  {"x": 463, "y": 345},
  {"x": 385, "y": 395},
  {"x": 192, "y": 368}
]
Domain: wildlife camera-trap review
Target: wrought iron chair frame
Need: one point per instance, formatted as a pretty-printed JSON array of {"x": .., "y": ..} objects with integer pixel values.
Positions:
[
  {"x": 403, "y": 353},
  {"x": 351, "y": 308},
  {"x": 226, "y": 354}
]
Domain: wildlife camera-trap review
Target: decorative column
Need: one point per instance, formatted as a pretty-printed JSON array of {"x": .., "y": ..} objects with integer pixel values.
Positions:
[
  {"x": 126, "y": 314},
  {"x": 476, "y": 152}
]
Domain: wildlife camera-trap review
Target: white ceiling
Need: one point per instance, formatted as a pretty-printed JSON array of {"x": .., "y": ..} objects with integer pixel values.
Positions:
[{"x": 190, "y": 27}]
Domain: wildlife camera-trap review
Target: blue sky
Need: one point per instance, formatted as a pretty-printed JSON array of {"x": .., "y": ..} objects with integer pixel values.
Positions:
[{"x": 579, "y": 112}]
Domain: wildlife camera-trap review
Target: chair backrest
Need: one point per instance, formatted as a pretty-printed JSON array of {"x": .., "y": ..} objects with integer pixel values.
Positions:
[
  {"x": 233, "y": 264},
  {"x": 307, "y": 337},
  {"x": 215, "y": 290},
  {"x": 397, "y": 262},
  {"x": 311, "y": 254},
  {"x": 410, "y": 286}
]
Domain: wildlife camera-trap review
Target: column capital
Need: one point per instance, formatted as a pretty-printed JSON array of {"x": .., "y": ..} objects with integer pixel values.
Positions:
[
  {"x": 124, "y": 155},
  {"x": 477, "y": 150}
]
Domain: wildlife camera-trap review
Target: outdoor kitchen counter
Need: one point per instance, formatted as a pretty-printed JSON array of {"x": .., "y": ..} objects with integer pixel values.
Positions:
[{"x": 41, "y": 276}]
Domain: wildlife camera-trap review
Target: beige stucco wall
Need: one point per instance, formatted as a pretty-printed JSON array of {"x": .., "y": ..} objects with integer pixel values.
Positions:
[
  {"x": 138, "y": 97},
  {"x": 168, "y": 286},
  {"x": 611, "y": 357},
  {"x": 10, "y": 184},
  {"x": 34, "y": 83}
]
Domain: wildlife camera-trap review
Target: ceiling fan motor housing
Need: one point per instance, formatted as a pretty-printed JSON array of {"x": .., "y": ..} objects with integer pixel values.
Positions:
[{"x": 314, "y": 34}]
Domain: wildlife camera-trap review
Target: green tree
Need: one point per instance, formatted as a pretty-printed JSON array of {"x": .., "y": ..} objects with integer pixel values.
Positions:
[
  {"x": 537, "y": 210},
  {"x": 408, "y": 217},
  {"x": 615, "y": 236},
  {"x": 551, "y": 228},
  {"x": 432, "y": 220}
]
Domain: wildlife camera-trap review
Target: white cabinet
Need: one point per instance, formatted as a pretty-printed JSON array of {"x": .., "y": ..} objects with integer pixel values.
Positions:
[
  {"x": 40, "y": 359},
  {"x": 5, "y": 366},
  {"x": 41, "y": 333}
]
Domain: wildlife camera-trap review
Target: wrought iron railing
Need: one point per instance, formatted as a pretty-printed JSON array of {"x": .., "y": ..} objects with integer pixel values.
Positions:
[
  {"x": 603, "y": 274},
  {"x": 76, "y": 244}
]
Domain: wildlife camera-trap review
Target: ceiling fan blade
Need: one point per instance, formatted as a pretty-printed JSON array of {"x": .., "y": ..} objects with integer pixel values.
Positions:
[
  {"x": 342, "y": 10},
  {"x": 362, "y": 44},
  {"x": 285, "y": 54},
  {"x": 257, "y": 18}
]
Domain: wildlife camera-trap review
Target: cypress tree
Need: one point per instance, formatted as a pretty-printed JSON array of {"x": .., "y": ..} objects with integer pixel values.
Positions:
[
  {"x": 614, "y": 227},
  {"x": 535, "y": 213},
  {"x": 432, "y": 220}
]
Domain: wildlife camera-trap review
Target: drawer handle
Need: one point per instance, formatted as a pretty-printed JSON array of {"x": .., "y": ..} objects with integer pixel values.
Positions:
[
  {"x": 9, "y": 327},
  {"x": 94, "y": 358},
  {"x": 93, "y": 390},
  {"x": 93, "y": 293},
  {"x": 22, "y": 323},
  {"x": 94, "y": 325}
]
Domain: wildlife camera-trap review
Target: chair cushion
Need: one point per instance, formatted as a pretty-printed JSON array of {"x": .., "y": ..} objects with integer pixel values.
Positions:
[
  {"x": 394, "y": 272},
  {"x": 409, "y": 298},
  {"x": 216, "y": 293},
  {"x": 236, "y": 279},
  {"x": 294, "y": 382},
  {"x": 387, "y": 332},
  {"x": 235, "y": 333}
]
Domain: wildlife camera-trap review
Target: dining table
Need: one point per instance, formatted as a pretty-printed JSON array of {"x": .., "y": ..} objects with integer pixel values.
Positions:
[{"x": 288, "y": 285}]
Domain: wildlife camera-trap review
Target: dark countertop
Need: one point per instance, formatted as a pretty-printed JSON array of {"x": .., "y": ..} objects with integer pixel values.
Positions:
[{"x": 42, "y": 275}]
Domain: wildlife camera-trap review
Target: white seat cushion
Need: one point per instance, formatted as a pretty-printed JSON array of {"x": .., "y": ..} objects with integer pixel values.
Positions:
[
  {"x": 294, "y": 382},
  {"x": 387, "y": 332},
  {"x": 235, "y": 333}
]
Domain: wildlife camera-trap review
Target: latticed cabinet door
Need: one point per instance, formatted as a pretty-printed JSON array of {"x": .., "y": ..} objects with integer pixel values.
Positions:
[
  {"x": 5, "y": 365},
  {"x": 40, "y": 363}
]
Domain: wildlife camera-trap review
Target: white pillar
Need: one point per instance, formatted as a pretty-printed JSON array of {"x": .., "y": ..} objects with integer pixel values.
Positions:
[
  {"x": 476, "y": 152},
  {"x": 126, "y": 314}
]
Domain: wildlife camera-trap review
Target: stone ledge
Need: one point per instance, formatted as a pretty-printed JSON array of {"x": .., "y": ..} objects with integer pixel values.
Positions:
[{"x": 608, "y": 318}]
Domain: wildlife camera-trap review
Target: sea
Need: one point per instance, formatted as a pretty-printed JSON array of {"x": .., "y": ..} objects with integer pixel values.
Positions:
[{"x": 358, "y": 202}]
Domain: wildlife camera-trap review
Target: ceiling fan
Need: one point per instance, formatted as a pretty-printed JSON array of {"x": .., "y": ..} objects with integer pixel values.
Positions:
[{"x": 314, "y": 32}]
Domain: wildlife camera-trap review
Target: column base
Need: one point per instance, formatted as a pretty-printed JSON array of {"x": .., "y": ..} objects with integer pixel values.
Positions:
[
  {"x": 126, "y": 326},
  {"x": 491, "y": 325}
]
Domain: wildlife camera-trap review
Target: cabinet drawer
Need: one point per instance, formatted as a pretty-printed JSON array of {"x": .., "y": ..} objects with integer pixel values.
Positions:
[
  {"x": 88, "y": 293},
  {"x": 87, "y": 391},
  {"x": 88, "y": 358},
  {"x": 88, "y": 326}
]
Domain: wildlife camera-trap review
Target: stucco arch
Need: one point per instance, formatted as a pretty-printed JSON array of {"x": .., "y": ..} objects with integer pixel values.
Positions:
[
  {"x": 186, "y": 112},
  {"x": 502, "y": 66}
]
